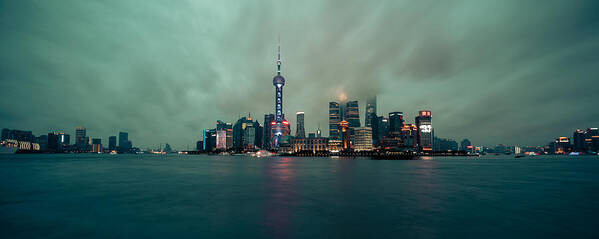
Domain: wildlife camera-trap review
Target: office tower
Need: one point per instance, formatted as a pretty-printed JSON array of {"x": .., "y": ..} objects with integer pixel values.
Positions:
[
  {"x": 64, "y": 139},
  {"x": 363, "y": 139},
  {"x": 578, "y": 139},
  {"x": 562, "y": 145},
  {"x": 19, "y": 135},
  {"x": 281, "y": 126},
  {"x": 227, "y": 137},
  {"x": 395, "y": 123},
  {"x": 249, "y": 136},
  {"x": 112, "y": 143},
  {"x": 300, "y": 131},
  {"x": 209, "y": 139},
  {"x": 124, "y": 143},
  {"x": 592, "y": 139},
  {"x": 167, "y": 148},
  {"x": 352, "y": 115},
  {"x": 334, "y": 120},
  {"x": 266, "y": 136},
  {"x": 97, "y": 145},
  {"x": 370, "y": 114},
  {"x": 345, "y": 134},
  {"x": 221, "y": 139},
  {"x": 425, "y": 130},
  {"x": 53, "y": 144},
  {"x": 259, "y": 134},
  {"x": 81, "y": 140},
  {"x": 409, "y": 135}
]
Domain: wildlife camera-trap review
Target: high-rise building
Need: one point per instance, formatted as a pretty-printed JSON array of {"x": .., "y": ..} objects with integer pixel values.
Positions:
[
  {"x": 209, "y": 140},
  {"x": 53, "y": 144},
  {"x": 380, "y": 129},
  {"x": 334, "y": 120},
  {"x": 409, "y": 135},
  {"x": 370, "y": 111},
  {"x": 266, "y": 136},
  {"x": 281, "y": 126},
  {"x": 221, "y": 139},
  {"x": 300, "y": 131},
  {"x": 63, "y": 141},
  {"x": 425, "y": 130},
  {"x": 318, "y": 132},
  {"x": 112, "y": 143},
  {"x": 579, "y": 140},
  {"x": 363, "y": 139},
  {"x": 395, "y": 123},
  {"x": 97, "y": 145},
  {"x": 228, "y": 135},
  {"x": 592, "y": 139},
  {"x": 81, "y": 140},
  {"x": 124, "y": 143},
  {"x": 352, "y": 115}
]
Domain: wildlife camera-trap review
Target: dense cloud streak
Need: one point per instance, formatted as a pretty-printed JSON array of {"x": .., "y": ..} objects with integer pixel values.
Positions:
[{"x": 515, "y": 72}]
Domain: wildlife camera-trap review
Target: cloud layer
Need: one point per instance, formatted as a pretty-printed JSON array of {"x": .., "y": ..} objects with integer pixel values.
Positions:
[{"x": 514, "y": 72}]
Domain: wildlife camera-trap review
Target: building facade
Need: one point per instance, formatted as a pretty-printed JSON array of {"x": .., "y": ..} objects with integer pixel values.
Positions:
[
  {"x": 334, "y": 120},
  {"x": 425, "y": 130},
  {"x": 363, "y": 139},
  {"x": 300, "y": 131}
]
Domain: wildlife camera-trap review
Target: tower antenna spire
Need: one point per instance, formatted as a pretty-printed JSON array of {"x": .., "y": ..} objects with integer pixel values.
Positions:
[{"x": 279, "y": 57}]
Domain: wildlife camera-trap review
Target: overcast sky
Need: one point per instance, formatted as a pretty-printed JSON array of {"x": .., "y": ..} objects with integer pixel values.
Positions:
[{"x": 512, "y": 72}]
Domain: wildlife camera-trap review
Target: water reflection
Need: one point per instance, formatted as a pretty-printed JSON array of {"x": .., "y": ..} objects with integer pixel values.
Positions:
[{"x": 280, "y": 187}]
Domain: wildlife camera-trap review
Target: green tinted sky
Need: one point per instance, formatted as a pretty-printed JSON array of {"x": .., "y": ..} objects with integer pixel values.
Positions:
[{"x": 514, "y": 72}]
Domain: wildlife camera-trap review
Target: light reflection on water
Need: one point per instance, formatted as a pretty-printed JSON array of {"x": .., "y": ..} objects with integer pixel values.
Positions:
[{"x": 101, "y": 196}]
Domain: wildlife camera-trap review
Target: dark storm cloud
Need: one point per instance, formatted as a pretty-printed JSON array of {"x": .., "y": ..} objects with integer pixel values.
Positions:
[{"x": 493, "y": 71}]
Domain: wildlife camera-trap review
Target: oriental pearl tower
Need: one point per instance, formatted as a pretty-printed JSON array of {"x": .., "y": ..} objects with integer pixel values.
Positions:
[{"x": 280, "y": 126}]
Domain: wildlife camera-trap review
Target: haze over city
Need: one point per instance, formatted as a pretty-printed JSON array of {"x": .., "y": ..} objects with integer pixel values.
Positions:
[{"x": 514, "y": 72}]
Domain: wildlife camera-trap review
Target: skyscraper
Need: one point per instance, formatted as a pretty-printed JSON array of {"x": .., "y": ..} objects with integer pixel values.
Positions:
[
  {"x": 352, "y": 115},
  {"x": 124, "y": 143},
  {"x": 80, "y": 138},
  {"x": 425, "y": 130},
  {"x": 112, "y": 143},
  {"x": 395, "y": 123},
  {"x": 280, "y": 126},
  {"x": 266, "y": 136},
  {"x": 370, "y": 111},
  {"x": 579, "y": 140},
  {"x": 334, "y": 119},
  {"x": 300, "y": 132}
]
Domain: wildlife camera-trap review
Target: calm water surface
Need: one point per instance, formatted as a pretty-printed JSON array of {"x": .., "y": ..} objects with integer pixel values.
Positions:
[{"x": 130, "y": 196}]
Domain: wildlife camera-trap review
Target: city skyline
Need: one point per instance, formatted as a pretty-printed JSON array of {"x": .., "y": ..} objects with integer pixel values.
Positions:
[{"x": 81, "y": 74}]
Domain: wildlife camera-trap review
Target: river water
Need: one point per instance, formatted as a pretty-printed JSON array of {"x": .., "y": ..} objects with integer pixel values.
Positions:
[{"x": 200, "y": 196}]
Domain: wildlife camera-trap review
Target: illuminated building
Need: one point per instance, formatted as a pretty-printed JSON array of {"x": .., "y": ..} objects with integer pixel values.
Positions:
[
  {"x": 112, "y": 143},
  {"x": 345, "y": 134},
  {"x": 266, "y": 135},
  {"x": 209, "y": 140},
  {"x": 352, "y": 114},
  {"x": 578, "y": 139},
  {"x": 318, "y": 132},
  {"x": 300, "y": 131},
  {"x": 334, "y": 119},
  {"x": 221, "y": 139},
  {"x": 409, "y": 133},
  {"x": 335, "y": 145},
  {"x": 395, "y": 123},
  {"x": 592, "y": 139},
  {"x": 425, "y": 130},
  {"x": 313, "y": 144},
  {"x": 370, "y": 111},
  {"x": 280, "y": 126},
  {"x": 363, "y": 139},
  {"x": 97, "y": 145},
  {"x": 226, "y": 137},
  {"x": 562, "y": 145},
  {"x": 380, "y": 129}
]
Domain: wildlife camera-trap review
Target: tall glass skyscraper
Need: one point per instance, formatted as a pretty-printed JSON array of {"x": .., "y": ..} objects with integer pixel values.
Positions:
[
  {"x": 334, "y": 119},
  {"x": 425, "y": 130},
  {"x": 395, "y": 123},
  {"x": 370, "y": 111},
  {"x": 300, "y": 131},
  {"x": 352, "y": 115}
]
